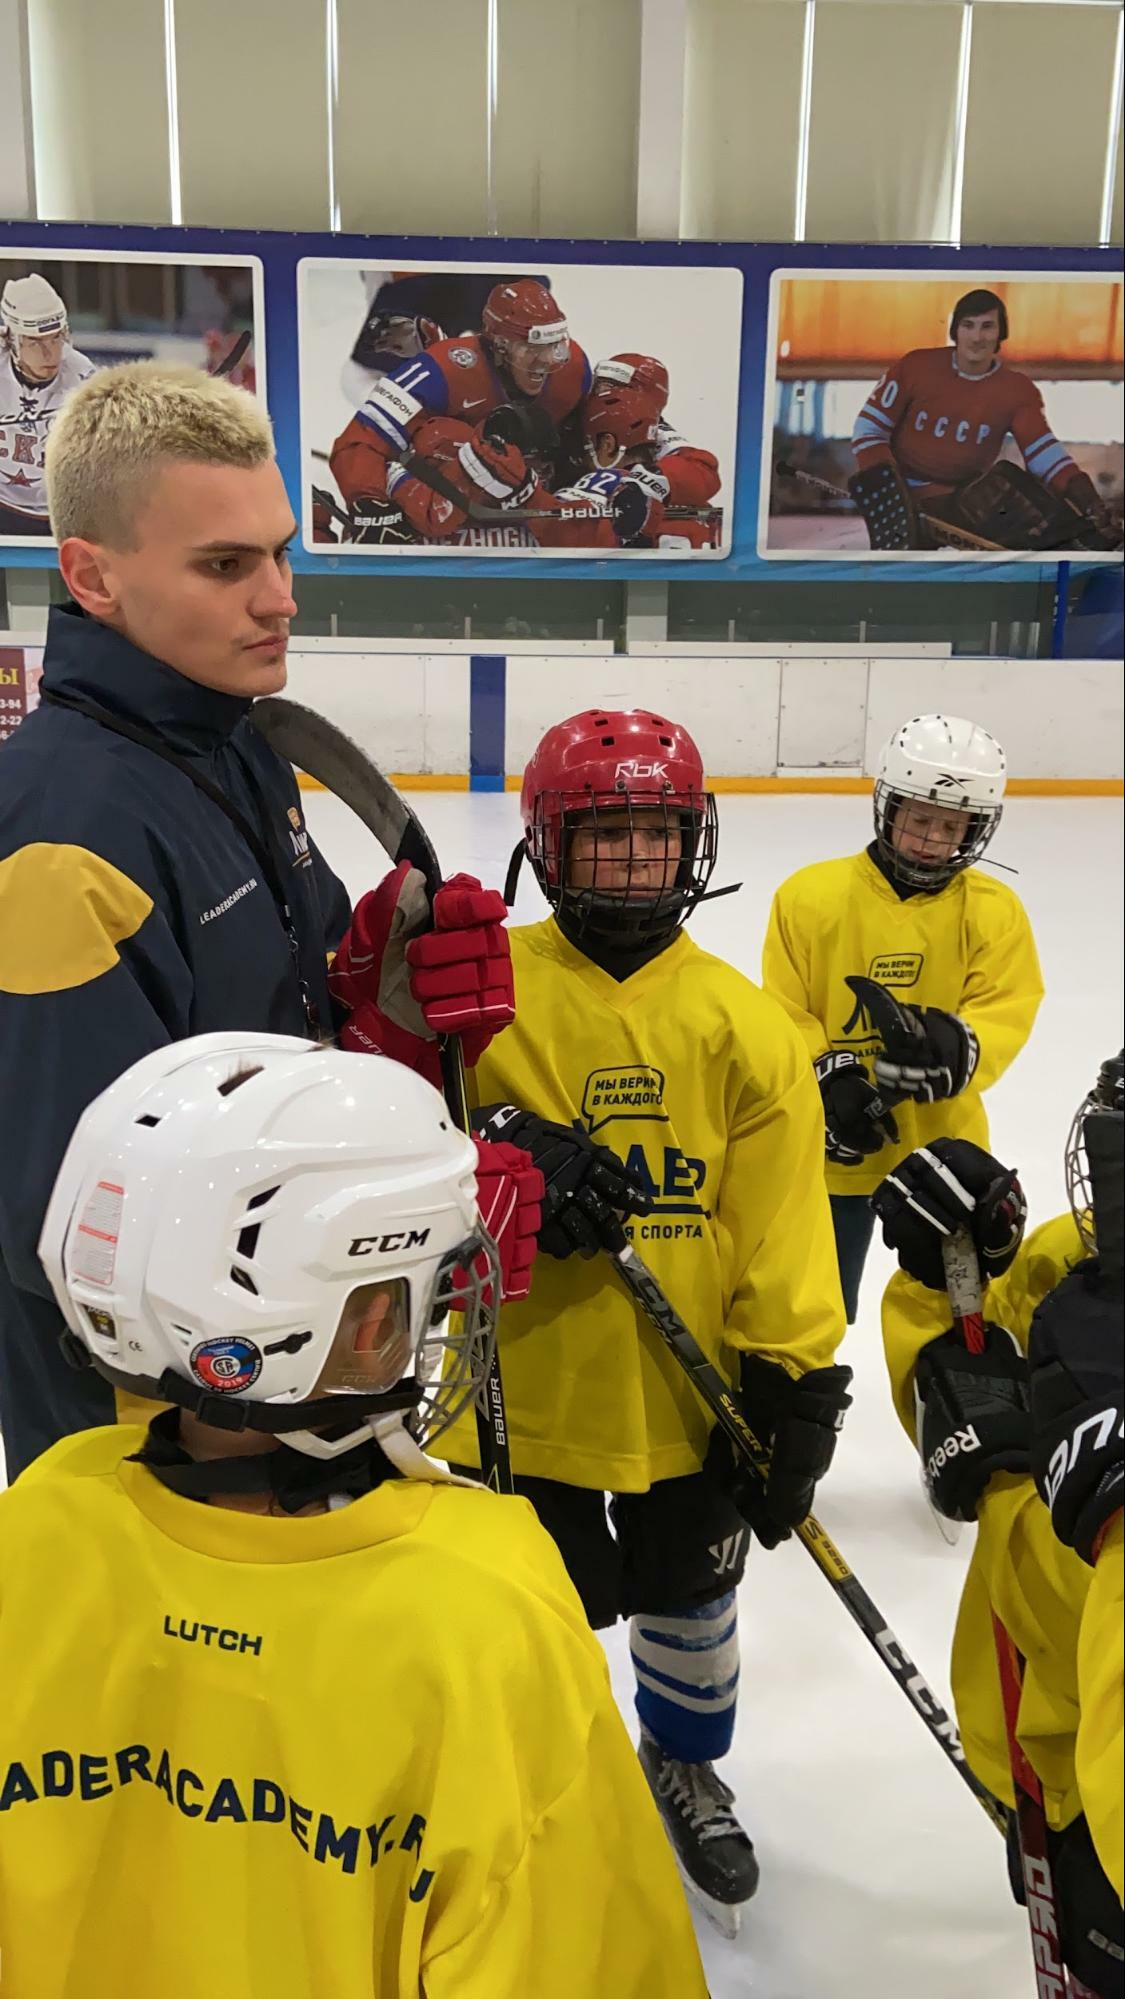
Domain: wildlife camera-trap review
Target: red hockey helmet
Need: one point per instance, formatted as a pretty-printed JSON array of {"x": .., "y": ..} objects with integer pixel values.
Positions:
[
  {"x": 627, "y": 418},
  {"x": 596, "y": 768},
  {"x": 634, "y": 371},
  {"x": 525, "y": 310}
]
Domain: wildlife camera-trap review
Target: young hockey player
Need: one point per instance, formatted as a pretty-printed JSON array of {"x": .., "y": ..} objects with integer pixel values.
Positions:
[
  {"x": 39, "y": 366},
  {"x": 980, "y": 1449},
  {"x": 909, "y": 920},
  {"x": 647, "y": 1079},
  {"x": 284, "y": 1709}
]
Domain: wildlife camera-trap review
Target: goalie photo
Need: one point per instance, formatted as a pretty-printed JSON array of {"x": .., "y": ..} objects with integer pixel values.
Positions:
[
  {"x": 476, "y": 412},
  {"x": 997, "y": 429}
]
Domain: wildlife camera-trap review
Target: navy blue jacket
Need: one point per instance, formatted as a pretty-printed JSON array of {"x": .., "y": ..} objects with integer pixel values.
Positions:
[{"x": 132, "y": 913}]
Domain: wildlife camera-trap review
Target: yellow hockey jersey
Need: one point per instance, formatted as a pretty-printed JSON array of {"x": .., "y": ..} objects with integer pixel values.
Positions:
[
  {"x": 1069, "y": 1633},
  {"x": 695, "y": 1077},
  {"x": 369, "y": 1754},
  {"x": 968, "y": 950}
]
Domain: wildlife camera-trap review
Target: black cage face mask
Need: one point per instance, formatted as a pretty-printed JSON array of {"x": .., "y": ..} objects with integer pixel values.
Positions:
[{"x": 633, "y": 867}]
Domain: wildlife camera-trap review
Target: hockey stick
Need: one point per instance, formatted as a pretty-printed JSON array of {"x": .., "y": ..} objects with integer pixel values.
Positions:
[
  {"x": 950, "y": 537},
  {"x": 963, "y": 1283},
  {"x": 431, "y": 475},
  {"x": 322, "y": 750},
  {"x": 724, "y": 1406},
  {"x": 231, "y": 360}
]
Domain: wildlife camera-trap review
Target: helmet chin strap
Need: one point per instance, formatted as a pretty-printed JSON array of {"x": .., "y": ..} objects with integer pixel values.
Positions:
[{"x": 291, "y": 1475}]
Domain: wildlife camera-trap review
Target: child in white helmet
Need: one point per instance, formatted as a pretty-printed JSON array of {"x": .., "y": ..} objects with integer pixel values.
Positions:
[
  {"x": 286, "y": 1708},
  {"x": 912, "y": 975}
]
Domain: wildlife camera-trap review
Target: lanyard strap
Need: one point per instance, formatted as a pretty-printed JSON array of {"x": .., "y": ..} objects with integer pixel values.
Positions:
[{"x": 266, "y": 861}]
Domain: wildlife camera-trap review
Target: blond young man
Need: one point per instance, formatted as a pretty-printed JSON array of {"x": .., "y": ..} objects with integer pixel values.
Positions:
[{"x": 156, "y": 876}]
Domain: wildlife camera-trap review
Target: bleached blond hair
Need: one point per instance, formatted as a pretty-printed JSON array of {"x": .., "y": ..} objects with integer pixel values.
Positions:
[{"x": 116, "y": 432}]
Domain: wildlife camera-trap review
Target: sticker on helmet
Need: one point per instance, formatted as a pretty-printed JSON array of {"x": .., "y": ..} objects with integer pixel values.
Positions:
[
  {"x": 228, "y": 1366},
  {"x": 463, "y": 356},
  {"x": 92, "y": 1253}
]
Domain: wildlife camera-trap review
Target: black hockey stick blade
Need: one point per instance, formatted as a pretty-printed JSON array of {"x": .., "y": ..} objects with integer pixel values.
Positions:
[
  {"x": 325, "y": 753},
  {"x": 727, "y": 1410},
  {"x": 233, "y": 356},
  {"x": 897, "y": 1026}
]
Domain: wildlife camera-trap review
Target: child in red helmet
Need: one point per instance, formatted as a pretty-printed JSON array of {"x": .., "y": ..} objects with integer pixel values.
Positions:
[{"x": 666, "y": 1099}]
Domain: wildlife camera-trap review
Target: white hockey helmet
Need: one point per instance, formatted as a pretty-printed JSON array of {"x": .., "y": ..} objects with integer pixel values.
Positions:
[
  {"x": 939, "y": 760},
  {"x": 31, "y": 306},
  {"x": 273, "y": 1234}
]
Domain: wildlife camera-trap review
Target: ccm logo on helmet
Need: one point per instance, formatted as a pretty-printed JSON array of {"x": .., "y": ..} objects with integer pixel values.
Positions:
[
  {"x": 382, "y": 1245},
  {"x": 634, "y": 770}
]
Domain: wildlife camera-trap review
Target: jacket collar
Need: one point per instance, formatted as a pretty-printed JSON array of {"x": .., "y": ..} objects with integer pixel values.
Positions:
[{"x": 85, "y": 658}]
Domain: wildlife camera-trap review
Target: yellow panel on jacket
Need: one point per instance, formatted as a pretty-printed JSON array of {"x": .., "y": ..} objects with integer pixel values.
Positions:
[
  {"x": 968, "y": 950},
  {"x": 698, "y": 1078}
]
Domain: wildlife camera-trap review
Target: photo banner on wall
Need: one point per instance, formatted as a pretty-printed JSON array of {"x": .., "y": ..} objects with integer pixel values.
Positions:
[
  {"x": 942, "y": 414},
  {"x": 469, "y": 410},
  {"x": 65, "y": 315}
]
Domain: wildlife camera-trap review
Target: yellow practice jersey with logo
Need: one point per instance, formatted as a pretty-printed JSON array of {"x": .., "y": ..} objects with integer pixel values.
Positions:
[
  {"x": 699, "y": 1081},
  {"x": 369, "y": 1754},
  {"x": 1070, "y": 1711},
  {"x": 968, "y": 950}
]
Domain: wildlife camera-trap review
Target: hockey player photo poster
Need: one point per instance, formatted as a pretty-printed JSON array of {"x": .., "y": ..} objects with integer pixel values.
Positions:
[
  {"x": 576, "y": 410},
  {"x": 959, "y": 414},
  {"x": 63, "y": 317}
]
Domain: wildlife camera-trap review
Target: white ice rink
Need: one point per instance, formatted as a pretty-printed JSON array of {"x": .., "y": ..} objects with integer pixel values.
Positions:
[{"x": 880, "y": 1876}]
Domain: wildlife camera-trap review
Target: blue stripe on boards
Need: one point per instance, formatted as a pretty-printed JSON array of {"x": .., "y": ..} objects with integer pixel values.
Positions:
[{"x": 488, "y": 674}]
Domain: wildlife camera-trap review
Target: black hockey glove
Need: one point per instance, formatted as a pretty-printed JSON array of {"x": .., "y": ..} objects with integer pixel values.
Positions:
[
  {"x": 588, "y": 1188},
  {"x": 856, "y": 1119},
  {"x": 927, "y": 1054},
  {"x": 378, "y": 522},
  {"x": 972, "y": 1417},
  {"x": 943, "y": 1187},
  {"x": 797, "y": 1420},
  {"x": 1076, "y": 1405}
]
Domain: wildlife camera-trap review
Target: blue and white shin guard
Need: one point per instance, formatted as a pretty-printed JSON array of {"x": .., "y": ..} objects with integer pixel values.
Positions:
[{"x": 687, "y": 1679}]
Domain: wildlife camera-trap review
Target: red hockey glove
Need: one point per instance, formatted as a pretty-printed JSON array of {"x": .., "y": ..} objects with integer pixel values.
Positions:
[
  {"x": 454, "y": 979},
  {"x": 509, "y": 1196},
  {"x": 461, "y": 970},
  {"x": 370, "y": 976},
  {"x": 496, "y": 473},
  {"x": 428, "y": 513}
]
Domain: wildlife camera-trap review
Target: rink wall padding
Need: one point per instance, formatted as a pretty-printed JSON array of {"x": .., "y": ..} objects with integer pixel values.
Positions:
[
  {"x": 764, "y": 723},
  {"x": 451, "y": 718}
]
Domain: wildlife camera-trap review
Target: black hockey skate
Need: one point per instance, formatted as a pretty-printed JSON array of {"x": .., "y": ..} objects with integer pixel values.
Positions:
[{"x": 714, "y": 1855}]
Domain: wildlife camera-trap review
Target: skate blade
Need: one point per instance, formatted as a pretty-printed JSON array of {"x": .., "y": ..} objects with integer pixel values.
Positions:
[{"x": 726, "y": 1917}]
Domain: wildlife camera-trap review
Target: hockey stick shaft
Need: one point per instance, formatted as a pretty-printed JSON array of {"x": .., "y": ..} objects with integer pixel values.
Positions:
[
  {"x": 324, "y": 752},
  {"x": 963, "y": 1283},
  {"x": 432, "y": 475},
  {"x": 725, "y": 1407}
]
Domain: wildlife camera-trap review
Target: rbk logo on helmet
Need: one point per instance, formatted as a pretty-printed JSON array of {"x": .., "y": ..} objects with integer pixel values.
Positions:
[{"x": 635, "y": 770}]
